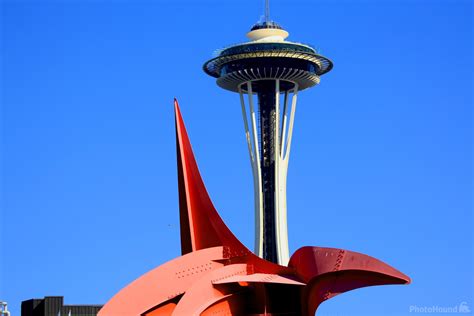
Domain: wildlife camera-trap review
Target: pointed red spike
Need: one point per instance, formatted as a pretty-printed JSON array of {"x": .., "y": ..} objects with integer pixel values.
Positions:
[
  {"x": 185, "y": 230},
  {"x": 201, "y": 226}
]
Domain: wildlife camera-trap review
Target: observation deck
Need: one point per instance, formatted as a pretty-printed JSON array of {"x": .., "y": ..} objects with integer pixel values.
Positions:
[{"x": 268, "y": 56}]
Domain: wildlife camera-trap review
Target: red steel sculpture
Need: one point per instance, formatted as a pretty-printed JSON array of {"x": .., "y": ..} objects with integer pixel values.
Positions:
[{"x": 218, "y": 275}]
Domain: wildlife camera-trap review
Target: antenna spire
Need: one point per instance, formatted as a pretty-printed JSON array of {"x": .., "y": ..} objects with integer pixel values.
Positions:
[{"x": 267, "y": 10}]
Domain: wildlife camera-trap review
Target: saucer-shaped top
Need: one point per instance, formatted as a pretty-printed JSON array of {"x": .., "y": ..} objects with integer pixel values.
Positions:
[
  {"x": 267, "y": 56},
  {"x": 267, "y": 31}
]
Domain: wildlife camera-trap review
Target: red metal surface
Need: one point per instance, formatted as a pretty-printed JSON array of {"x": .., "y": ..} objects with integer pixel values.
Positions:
[
  {"x": 329, "y": 272},
  {"x": 244, "y": 280},
  {"x": 218, "y": 275}
]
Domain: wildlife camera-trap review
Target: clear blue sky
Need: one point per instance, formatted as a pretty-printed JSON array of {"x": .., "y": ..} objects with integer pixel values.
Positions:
[{"x": 382, "y": 159}]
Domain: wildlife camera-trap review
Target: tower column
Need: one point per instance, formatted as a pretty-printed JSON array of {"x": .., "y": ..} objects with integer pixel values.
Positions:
[
  {"x": 268, "y": 125},
  {"x": 268, "y": 131}
]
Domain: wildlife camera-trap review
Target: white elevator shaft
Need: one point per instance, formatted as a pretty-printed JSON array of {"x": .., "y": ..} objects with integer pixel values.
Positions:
[{"x": 271, "y": 231}]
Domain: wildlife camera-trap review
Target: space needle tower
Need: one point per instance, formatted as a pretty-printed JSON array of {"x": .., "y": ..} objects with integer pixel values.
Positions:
[{"x": 268, "y": 72}]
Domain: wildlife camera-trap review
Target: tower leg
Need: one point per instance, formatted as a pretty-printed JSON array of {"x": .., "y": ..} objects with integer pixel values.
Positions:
[
  {"x": 254, "y": 153},
  {"x": 282, "y": 173}
]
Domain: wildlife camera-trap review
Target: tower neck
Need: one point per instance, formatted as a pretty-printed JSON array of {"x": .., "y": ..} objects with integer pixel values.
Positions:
[{"x": 267, "y": 113}]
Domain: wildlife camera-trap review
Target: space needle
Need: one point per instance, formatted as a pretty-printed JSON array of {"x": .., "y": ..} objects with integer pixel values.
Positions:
[{"x": 268, "y": 72}]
